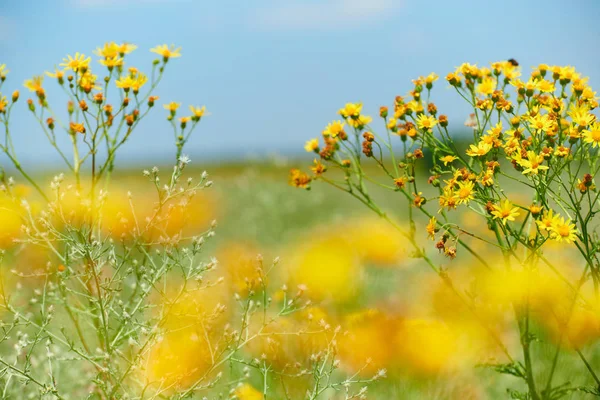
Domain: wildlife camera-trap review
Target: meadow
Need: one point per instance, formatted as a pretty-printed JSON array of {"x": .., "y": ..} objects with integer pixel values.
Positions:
[{"x": 414, "y": 263}]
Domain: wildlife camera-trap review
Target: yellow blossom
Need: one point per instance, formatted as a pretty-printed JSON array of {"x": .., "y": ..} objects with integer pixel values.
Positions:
[
  {"x": 431, "y": 228},
  {"x": 334, "y": 128},
  {"x": 426, "y": 122},
  {"x": 532, "y": 164},
  {"x": 548, "y": 220},
  {"x": 592, "y": 134},
  {"x": 562, "y": 230},
  {"x": 487, "y": 86},
  {"x": 198, "y": 111},
  {"x": 111, "y": 62},
  {"x": 481, "y": 149},
  {"x": 447, "y": 159},
  {"x": 172, "y": 106},
  {"x": 541, "y": 123},
  {"x": 167, "y": 52},
  {"x": 57, "y": 74},
  {"x": 351, "y": 110},
  {"x": 505, "y": 211},
  {"x": 312, "y": 145},
  {"x": 465, "y": 192},
  {"x": 360, "y": 122},
  {"x": 78, "y": 63},
  {"x": 34, "y": 84}
]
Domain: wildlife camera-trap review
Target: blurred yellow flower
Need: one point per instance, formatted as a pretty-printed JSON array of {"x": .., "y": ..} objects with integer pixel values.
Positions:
[
  {"x": 77, "y": 63},
  {"x": 167, "y": 51},
  {"x": 247, "y": 392}
]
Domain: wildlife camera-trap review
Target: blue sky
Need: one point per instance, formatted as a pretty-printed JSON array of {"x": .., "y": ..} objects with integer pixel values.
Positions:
[{"x": 274, "y": 72}]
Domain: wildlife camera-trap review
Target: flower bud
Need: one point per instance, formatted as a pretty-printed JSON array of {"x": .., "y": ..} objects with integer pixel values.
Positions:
[{"x": 15, "y": 96}]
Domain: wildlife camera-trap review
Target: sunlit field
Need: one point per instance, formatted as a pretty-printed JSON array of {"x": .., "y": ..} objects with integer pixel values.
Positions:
[{"x": 400, "y": 258}]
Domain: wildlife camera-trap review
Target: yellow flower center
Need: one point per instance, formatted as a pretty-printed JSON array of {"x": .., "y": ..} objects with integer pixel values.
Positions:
[{"x": 564, "y": 231}]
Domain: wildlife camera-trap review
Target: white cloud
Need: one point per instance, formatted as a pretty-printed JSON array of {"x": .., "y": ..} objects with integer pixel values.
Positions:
[{"x": 323, "y": 15}]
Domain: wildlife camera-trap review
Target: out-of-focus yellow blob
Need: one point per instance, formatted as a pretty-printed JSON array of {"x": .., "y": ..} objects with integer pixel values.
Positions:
[
  {"x": 368, "y": 342},
  {"x": 572, "y": 325},
  {"x": 239, "y": 260},
  {"x": 10, "y": 221},
  {"x": 193, "y": 325},
  {"x": 287, "y": 341},
  {"x": 376, "y": 241},
  {"x": 123, "y": 216},
  {"x": 426, "y": 346},
  {"x": 328, "y": 268},
  {"x": 247, "y": 392}
]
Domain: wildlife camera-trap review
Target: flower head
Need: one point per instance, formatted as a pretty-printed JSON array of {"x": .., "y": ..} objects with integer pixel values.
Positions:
[
  {"x": 505, "y": 211},
  {"x": 167, "y": 51},
  {"x": 351, "y": 110},
  {"x": 447, "y": 159},
  {"x": 426, "y": 122},
  {"x": 334, "y": 129},
  {"x": 592, "y": 134},
  {"x": 77, "y": 63},
  {"x": 312, "y": 145},
  {"x": 563, "y": 230},
  {"x": 198, "y": 112}
]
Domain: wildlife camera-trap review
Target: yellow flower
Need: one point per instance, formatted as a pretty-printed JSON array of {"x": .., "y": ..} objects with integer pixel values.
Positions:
[
  {"x": 247, "y": 392},
  {"x": 581, "y": 115},
  {"x": 481, "y": 149},
  {"x": 125, "y": 82},
  {"x": 447, "y": 159},
  {"x": 432, "y": 77},
  {"x": 487, "y": 179},
  {"x": 351, "y": 110},
  {"x": 172, "y": 106},
  {"x": 541, "y": 123},
  {"x": 58, "y": 74},
  {"x": 198, "y": 111},
  {"x": 34, "y": 84},
  {"x": 112, "y": 50},
  {"x": 431, "y": 228},
  {"x": 465, "y": 192},
  {"x": 3, "y": 70},
  {"x": 77, "y": 63},
  {"x": 334, "y": 128},
  {"x": 139, "y": 81},
  {"x": 505, "y": 211},
  {"x": 548, "y": 221},
  {"x": 3, "y": 104},
  {"x": 312, "y": 145},
  {"x": 487, "y": 86},
  {"x": 563, "y": 230},
  {"x": 533, "y": 163},
  {"x": 111, "y": 62},
  {"x": 88, "y": 82},
  {"x": 592, "y": 135},
  {"x": 126, "y": 48},
  {"x": 545, "y": 86},
  {"x": 426, "y": 122},
  {"x": 360, "y": 122},
  {"x": 166, "y": 51}
]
